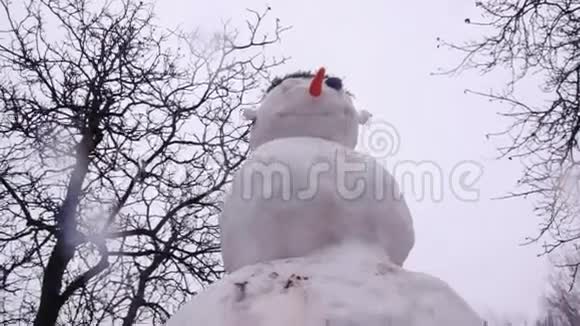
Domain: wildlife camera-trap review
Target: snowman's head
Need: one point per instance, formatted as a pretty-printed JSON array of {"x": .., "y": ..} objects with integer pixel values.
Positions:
[{"x": 306, "y": 105}]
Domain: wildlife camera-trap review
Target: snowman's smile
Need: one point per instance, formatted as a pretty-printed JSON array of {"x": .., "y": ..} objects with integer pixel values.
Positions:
[{"x": 304, "y": 114}]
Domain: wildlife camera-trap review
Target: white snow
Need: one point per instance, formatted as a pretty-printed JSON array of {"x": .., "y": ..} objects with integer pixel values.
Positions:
[
  {"x": 297, "y": 195},
  {"x": 347, "y": 284}
]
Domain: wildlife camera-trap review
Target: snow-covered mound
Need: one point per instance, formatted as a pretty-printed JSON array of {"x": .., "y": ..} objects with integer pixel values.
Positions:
[
  {"x": 350, "y": 284},
  {"x": 296, "y": 195}
]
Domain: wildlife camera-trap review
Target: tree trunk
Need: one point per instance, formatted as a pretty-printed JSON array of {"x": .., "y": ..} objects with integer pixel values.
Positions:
[{"x": 51, "y": 300}]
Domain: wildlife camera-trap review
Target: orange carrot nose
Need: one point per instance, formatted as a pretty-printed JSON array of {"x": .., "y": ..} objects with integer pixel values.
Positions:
[{"x": 316, "y": 85}]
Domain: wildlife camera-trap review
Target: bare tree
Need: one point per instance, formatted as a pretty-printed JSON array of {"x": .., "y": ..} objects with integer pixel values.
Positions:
[
  {"x": 117, "y": 139},
  {"x": 562, "y": 300},
  {"x": 537, "y": 40}
]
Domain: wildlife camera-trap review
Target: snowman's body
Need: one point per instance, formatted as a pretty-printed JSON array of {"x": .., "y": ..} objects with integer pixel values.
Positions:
[
  {"x": 314, "y": 233},
  {"x": 304, "y": 187},
  {"x": 296, "y": 195}
]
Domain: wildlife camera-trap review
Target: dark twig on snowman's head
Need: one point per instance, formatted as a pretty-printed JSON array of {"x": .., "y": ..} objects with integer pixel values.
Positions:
[{"x": 302, "y": 74}]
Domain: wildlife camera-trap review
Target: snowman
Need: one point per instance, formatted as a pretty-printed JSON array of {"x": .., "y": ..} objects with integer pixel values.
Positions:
[
  {"x": 305, "y": 187},
  {"x": 314, "y": 232}
]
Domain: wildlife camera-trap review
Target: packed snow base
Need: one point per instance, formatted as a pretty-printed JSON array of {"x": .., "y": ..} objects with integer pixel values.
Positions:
[
  {"x": 345, "y": 285},
  {"x": 314, "y": 233}
]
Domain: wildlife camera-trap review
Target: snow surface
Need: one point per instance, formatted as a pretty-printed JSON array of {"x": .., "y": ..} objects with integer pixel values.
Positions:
[
  {"x": 296, "y": 195},
  {"x": 347, "y": 284}
]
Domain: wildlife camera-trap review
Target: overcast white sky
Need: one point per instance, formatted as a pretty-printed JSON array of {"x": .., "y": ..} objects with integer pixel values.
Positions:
[{"x": 386, "y": 52}]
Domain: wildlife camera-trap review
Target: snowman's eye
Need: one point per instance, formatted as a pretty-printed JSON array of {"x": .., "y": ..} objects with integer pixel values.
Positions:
[{"x": 334, "y": 83}]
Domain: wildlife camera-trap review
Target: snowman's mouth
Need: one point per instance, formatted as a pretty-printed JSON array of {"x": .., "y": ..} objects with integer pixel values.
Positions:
[{"x": 306, "y": 114}]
